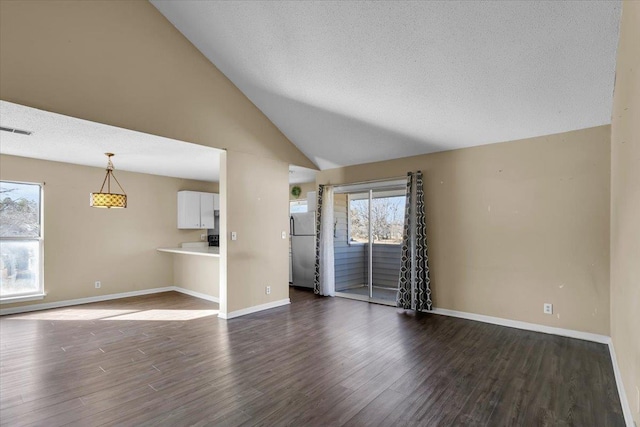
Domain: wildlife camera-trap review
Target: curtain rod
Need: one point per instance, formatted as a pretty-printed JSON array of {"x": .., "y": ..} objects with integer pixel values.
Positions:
[{"x": 373, "y": 181}]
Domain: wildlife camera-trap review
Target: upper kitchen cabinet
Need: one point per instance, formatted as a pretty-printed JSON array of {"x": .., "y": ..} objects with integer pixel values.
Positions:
[{"x": 196, "y": 210}]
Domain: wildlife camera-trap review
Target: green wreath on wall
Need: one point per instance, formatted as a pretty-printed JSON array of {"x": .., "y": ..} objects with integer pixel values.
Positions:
[{"x": 295, "y": 191}]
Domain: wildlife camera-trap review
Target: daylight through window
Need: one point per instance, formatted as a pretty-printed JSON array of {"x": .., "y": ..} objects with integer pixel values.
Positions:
[
  {"x": 387, "y": 218},
  {"x": 20, "y": 240},
  {"x": 297, "y": 206}
]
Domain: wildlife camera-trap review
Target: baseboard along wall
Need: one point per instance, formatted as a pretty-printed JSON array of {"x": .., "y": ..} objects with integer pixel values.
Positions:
[
  {"x": 254, "y": 309},
  {"x": 79, "y": 301},
  {"x": 587, "y": 336}
]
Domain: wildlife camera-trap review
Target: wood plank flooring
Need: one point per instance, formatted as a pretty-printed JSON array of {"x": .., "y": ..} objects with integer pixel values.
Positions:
[{"x": 166, "y": 359}]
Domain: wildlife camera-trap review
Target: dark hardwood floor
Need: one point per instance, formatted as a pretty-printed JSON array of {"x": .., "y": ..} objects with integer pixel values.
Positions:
[{"x": 165, "y": 359}]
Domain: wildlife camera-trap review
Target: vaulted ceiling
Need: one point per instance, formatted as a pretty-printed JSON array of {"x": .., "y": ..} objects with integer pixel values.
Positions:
[{"x": 356, "y": 82}]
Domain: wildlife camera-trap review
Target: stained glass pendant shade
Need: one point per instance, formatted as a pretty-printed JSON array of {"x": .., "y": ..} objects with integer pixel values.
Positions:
[{"x": 108, "y": 200}]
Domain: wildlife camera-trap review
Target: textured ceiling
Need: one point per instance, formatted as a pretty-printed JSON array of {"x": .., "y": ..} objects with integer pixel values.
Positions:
[
  {"x": 66, "y": 139},
  {"x": 356, "y": 82}
]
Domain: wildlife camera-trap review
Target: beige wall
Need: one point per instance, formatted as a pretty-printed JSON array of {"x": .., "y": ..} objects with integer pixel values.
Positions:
[
  {"x": 514, "y": 225},
  {"x": 197, "y": 273},
  {"x": 625, "y": 206},
  {"x": 254, "y": 204},
  {"x": 122, "y": 63},
  {"x": 116, "y": 246}
]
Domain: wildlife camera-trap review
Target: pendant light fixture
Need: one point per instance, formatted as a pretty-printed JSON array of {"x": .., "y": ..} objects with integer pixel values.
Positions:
[{"x": 108, "y": 200}]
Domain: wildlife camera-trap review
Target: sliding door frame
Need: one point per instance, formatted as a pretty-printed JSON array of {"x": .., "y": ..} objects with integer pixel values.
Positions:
[{"x": 370, "y": 187}]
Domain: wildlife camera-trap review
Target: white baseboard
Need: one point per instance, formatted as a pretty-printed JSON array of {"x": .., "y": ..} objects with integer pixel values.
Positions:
[
  {"x": 254, "y": 309},
  {"x": 195, "y": 294},
  {"x": 587, "y": 336},
  {"x": 67, "y": 303},
  {"x": 626, "y": 408}
]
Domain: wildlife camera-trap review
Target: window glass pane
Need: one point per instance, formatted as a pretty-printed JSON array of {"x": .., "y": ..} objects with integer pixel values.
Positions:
[
  {"x": 19, "y": 210},
  {"x": 359, "y": 220},
  {"x": 387, "y": 219},
  {"x": 298, "y": 206},
  {"x": 19, "y": 267}
]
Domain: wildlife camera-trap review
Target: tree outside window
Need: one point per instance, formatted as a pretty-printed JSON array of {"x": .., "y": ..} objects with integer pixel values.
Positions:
[
  {"x": 387, "y": 220},
  {"x": 20, "y": 239}
]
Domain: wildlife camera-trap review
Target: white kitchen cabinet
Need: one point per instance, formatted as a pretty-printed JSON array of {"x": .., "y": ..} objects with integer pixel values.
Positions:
[
  {"x": 196, "y": 210},
  {"x": 206, "y": 210}
]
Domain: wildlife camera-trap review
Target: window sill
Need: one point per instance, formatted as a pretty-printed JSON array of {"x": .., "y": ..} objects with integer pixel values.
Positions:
[{"x": 11, "y": 300}]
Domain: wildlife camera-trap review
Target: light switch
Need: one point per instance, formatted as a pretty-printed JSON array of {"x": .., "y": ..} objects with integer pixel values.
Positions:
[
  {"x": 284, "y": 234},
  {"x": 234, "y": 235}
]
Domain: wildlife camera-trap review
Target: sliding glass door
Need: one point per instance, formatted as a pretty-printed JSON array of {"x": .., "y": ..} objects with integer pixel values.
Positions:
[
  {"x": 368, "y": 241},
  {"x": 387, "y": 221}
]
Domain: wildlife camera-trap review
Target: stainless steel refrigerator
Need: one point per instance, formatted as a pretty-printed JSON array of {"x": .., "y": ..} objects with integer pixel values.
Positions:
[{"x": 303, "y": 249}]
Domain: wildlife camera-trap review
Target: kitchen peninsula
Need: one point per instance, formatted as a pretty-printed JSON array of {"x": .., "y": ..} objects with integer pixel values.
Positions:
[
  {"x": 212, "y": 251},
  {"x": 196, "y": 270}
]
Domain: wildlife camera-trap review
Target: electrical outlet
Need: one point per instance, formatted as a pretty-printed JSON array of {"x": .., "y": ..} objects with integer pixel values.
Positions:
[
  {"x": 98, "y": 284},
  {"x": 203, "y": 237},
  {"x": 267, "y": 290},
  {"x": 234, "y": 235},
  {"x": 548, "y": 308}
]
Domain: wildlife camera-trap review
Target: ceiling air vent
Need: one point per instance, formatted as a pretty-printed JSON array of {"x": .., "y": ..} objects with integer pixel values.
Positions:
[{"x": 20, "y": 131}]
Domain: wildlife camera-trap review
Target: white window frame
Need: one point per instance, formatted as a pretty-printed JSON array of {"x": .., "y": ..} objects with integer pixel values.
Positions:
[{"x": 39, "y": 293}]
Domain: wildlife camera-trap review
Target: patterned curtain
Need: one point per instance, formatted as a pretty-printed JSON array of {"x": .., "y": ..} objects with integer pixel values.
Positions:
[
  {"x": 327, "y": 277},
  {"x": 316, "y": 280},
  {"x": 414, "y": 290},
  {"x": 423, "y": 283},
  {"x": 404, "y": 298}
]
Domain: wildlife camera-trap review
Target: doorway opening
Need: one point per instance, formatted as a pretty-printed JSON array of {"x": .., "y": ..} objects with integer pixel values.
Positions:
[{"x": 368, "y": 229}]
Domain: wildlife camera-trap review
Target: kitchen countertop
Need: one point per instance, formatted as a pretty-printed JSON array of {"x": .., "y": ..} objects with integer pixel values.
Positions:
[{"x": 212, "y": 251}]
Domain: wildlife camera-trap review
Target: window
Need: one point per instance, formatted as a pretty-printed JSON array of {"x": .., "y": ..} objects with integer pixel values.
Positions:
[
  {"x": 20, "y": 240},
  {"x": 297, "y": 206},
  {"x": 387, "y": 217}
]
